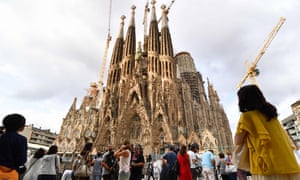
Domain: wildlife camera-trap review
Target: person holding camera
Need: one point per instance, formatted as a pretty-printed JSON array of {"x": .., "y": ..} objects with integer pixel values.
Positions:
[{"x": 124, "y": 155}]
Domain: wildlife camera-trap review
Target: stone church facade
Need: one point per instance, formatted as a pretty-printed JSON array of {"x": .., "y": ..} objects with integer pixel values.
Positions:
[{"x": 152, "y": 97}]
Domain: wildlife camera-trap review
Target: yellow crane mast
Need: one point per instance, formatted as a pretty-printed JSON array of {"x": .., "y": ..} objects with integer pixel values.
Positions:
[
  {"x": 252, "y": 71},
  {"x": 104, "y": 59},
  {"x": 145, "y": 21}
]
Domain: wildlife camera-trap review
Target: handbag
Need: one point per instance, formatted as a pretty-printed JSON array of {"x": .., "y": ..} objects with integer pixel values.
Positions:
[
  {"x": 241, "y": 157},
  {"x": 82, "y": 171},
  {"x": 230, "y": 168}
]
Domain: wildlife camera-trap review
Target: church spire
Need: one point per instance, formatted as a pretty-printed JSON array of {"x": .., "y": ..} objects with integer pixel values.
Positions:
[
  {"x": 153, "y": 14},
  {"x": 121, "y": 31},
  {"x": 154, "y": 65},
  {"x": 153, "y": 41},
  {"x": 166, "y": 47},
  {"x": 129, "y": 47},
  {"x": 116, "y": 58}
]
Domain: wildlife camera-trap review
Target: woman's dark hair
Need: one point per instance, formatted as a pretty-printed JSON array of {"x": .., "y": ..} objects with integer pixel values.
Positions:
[
  {"x": 52, "y": 149},
  {"x": 221, "y": 155},
  {"x": 86, "y": 149},
  {"x": 13, "y": 122},
  {"x": 39, "y": 153},
  {"x": 139, "y": 148},
  {"x": 251, "y": 98},
  {"x": 182, "y": 150},
  {"x": 127, "y": 144}
]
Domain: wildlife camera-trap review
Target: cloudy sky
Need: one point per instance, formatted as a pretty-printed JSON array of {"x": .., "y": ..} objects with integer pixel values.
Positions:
[{"x": 51, "y": 50}]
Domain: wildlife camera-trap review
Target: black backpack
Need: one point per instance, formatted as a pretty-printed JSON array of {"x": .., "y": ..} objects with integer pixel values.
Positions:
[
  {"x": 110, "y": 160},
  {"x": 174, "y": 169}
]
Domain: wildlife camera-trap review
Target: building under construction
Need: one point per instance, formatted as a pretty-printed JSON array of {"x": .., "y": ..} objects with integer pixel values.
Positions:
[{"x": 152, "y": 97}]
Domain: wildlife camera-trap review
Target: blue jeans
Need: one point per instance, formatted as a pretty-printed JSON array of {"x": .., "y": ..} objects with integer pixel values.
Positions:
[
  {"x": 124, "y": 175},
  {"x": 96, "y": 177}
]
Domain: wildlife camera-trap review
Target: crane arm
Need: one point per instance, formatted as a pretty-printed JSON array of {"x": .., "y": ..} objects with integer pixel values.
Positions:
[
  {"x": 271, "y": 36},
  {"x": 168, "y": 8},
  {"x": 269, "y": 40}
]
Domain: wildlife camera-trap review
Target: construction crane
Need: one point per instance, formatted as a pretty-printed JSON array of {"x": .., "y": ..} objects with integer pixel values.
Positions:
[
  {"x": 108, "y": 39},
  {"x": 104, "y": 59},
  {"x": 168, "y": 8},
  {"x": 145, "y": 22},
  {"x": 252, "y": 71}
]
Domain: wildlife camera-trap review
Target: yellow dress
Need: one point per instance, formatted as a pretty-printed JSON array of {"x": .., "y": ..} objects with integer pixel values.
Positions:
[{"x": 270, "y": 151}]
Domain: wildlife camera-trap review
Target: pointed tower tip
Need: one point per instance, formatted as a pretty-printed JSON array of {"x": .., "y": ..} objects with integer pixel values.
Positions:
[
  {"x": 207, "y": 80},
  {"x": 133, "y": 7},
  {"x": 121, "y": 28},
  {"x": 153, "y": 2},
  {"x": 123, "y": 17},
  {"x": 153, "y": 14},
  {"x": 164, "y": 15},
  {"x": 132, "y": 15}
]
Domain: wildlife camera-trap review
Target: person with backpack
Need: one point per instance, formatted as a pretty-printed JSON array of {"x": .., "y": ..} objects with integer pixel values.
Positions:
[{"x": 108, "y": 164}]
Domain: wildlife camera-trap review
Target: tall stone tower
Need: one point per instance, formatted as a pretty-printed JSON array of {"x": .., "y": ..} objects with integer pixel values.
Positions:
[{"x": 152, "y": 97}]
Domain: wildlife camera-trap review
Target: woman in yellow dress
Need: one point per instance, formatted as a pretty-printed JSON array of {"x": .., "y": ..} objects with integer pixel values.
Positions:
[{"x": 271, "y": 155}]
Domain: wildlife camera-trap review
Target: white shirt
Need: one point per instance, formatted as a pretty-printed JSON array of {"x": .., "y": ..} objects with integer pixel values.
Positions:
[
  {"x": 192, "y": 157},
  {"x": 33, "y": 167},
  {"x": 124, "y": 163},
  {"x": 49, "y": 164}
]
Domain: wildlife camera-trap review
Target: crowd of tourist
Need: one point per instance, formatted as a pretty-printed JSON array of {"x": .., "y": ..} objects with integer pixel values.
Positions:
[{"x": 270, "y": 153}]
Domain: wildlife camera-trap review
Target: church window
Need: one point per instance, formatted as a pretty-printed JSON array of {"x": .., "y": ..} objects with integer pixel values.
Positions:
[
  {"x": 134, "y": 97},
  {"x": 114, "y": 76},
  {"x": 160, "y": 118},
  {"x": 128, "y": 67},
  {"x": 171, "y": 69},
  {"x": 156, "y": 65},
  {"x": 152, "y": 63},
  {"x": 159, "y": 68},
  {"x": 108, "y": 137},
  {"x": 118, "y": 75},
  {"x": 136, "y": 127},
  {"x": 167, "y": 67}
]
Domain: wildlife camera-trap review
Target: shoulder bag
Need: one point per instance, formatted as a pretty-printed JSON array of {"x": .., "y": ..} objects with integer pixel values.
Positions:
[
  {"x": 241, "y": 157},
  {"x": 83, "y": 169}
]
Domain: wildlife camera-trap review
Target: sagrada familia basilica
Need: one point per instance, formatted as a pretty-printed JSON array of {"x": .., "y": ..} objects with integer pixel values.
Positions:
[{"x": 152, "y": 97}]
